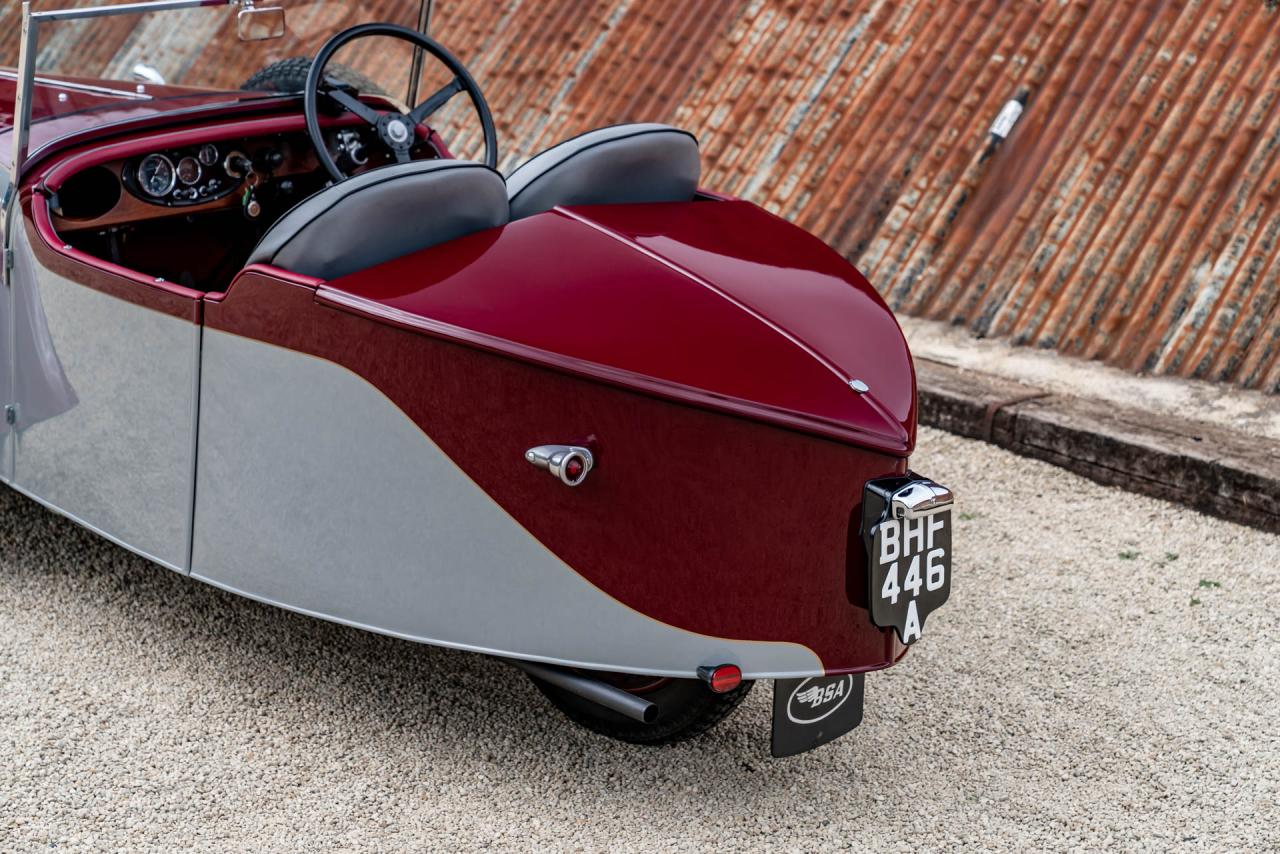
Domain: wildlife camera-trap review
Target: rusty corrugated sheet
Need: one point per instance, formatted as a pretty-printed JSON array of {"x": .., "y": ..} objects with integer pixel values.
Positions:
[{"x": 1131, "y": 215}]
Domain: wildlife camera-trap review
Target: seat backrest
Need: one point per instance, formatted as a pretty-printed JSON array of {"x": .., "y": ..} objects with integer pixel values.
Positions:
[
  {"x": 383, "y": 214},
  {"x": 623, "y": 164}
]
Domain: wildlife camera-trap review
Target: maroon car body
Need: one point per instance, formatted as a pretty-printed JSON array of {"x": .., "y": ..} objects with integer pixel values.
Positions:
[{"x": 737, "y": 387}]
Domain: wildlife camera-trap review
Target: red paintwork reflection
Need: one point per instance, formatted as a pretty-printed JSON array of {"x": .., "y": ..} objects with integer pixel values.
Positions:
[
  {"x": 715, "y": 524},
  {"x": 667, "y": 314},
  {"x": 786, "y": 274}
]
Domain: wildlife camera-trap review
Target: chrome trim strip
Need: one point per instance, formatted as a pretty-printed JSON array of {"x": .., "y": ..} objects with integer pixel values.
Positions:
[
  {"x": 10, "y": 218},
  {"x": 198, "y": 358},
  {"x": 82, "y": 87}
]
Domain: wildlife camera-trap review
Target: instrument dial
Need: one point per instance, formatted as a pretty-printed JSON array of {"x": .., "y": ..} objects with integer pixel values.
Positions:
[
  {"x": 189, "y": 171},
  {"x": 208, "y": 154},
  {"x": 156, "y": 175}
]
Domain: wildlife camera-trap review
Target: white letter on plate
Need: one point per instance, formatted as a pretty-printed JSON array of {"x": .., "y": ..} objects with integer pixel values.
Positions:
[
  {"x": 911, "y": 629},
  {"x": 888, "y": 537},
  {"x": 935, "y": 525},
  {"x": 911, "y": 533}
]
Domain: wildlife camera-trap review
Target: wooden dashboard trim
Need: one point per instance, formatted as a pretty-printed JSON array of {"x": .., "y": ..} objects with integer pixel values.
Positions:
[
  {"x": 130, "y": 208},
  {"x": 100, "y": 155}
]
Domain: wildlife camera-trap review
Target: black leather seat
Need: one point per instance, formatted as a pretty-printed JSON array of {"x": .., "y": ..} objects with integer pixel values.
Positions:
[
  {"x": 384, "y": 214},
  {"x": 624, "y": 164}
]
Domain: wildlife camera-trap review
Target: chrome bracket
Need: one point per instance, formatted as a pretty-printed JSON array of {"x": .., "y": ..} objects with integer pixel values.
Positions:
[{"x": 920, "y": 498}]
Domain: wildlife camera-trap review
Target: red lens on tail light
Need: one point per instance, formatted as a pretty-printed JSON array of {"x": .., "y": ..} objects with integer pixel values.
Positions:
[
  {"x": 574, "y": 468},
  {"x": 723, "y": 678}
]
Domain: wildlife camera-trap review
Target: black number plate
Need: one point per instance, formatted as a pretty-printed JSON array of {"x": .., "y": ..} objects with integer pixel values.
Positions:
[{"x": 908, "y": 560}]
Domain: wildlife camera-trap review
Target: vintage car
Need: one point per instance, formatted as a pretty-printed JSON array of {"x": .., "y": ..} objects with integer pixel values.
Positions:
[{"x": 644, "y": 441}]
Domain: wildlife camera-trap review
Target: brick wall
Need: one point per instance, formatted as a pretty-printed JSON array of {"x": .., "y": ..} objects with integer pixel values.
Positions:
[{"x": 1132, "y": 214}]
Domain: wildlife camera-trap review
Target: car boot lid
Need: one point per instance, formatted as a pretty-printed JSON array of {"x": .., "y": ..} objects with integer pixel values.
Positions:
[{"x": 718, "y": 304}]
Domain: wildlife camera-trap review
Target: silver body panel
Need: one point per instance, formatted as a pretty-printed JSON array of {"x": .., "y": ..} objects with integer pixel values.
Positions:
[
  {"x": 106, "y": 396},
  {"x": 316, "y": 493}
]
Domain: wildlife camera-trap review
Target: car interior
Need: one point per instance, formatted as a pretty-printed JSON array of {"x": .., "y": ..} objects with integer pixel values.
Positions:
[
  {"x": 196, "y": 215},
  {"x": 367, "y": 182}
]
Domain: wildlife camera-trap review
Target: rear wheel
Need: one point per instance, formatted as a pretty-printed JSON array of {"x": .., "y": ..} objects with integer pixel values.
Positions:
[{"x": 686, "y": 707}]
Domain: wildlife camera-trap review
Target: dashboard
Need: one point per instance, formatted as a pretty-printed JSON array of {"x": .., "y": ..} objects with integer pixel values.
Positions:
[
  {"x": 259, "y": 175},
  {"x": 190, "y": 213},
  {"x": 186, "y": 176}
]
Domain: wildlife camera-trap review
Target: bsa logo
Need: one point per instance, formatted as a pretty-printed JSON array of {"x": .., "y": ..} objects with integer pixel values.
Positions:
[{"x": 815, "y": 699}]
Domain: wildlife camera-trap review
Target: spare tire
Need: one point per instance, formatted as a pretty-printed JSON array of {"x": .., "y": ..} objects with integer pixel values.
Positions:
[{"x": 290, "y": 75}]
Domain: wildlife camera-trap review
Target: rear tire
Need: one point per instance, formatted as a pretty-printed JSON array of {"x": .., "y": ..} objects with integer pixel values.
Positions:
[
  {"x": 686, "y": 709},
  {"x": 290, "y": 75}
]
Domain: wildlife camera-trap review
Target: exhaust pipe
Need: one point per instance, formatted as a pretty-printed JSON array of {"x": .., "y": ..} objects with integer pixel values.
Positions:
[{"x": 600, "y": 693}]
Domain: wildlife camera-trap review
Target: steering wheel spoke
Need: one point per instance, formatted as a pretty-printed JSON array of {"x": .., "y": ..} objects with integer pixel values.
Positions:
[
  {"x": 442, "y": 96},
  {"x": 395, "y": 132},
  {"x": 339, "y": 94}
]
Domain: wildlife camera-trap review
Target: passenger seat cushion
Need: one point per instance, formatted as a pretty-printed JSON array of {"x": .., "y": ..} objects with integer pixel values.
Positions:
[
  {"x": 384, "y": 214},
  {"x": 624, "y": 164}
]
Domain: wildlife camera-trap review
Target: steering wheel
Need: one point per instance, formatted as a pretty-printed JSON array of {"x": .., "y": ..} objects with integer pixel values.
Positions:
[{"x": 397, "y": 131}]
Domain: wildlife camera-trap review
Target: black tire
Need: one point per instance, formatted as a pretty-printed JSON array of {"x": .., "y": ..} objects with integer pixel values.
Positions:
[
  {"x": 290, "y": 75},
  {"x": 686, "y": 709}
]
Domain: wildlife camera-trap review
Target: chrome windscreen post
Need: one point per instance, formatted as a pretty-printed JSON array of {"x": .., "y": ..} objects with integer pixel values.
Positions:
[{"x": 22, "y": 101}]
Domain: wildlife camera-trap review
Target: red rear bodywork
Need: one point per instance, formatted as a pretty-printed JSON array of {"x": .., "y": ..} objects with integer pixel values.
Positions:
[{"x": 702, "y": 350}]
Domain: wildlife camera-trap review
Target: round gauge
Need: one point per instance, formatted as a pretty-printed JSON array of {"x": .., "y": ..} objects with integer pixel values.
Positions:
[
  {"x": 156, "y": 175},
  {"x": 189, "y": 171},
  {"x": 208, "y": 154}
]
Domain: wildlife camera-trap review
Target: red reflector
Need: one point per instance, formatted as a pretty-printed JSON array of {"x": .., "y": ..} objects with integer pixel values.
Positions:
[
  {"x": 721, "y": 679},
  {"x": 574, "y": 468}
]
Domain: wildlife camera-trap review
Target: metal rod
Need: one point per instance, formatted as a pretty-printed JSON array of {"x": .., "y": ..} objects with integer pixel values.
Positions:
[
  {"x": 22, "y": 96},
  {"x": 69, "y": 85},
  {"x": 600, "y": 693},
  {"x": 125, "y": 9},
  {"x": 415, "y": 69}
]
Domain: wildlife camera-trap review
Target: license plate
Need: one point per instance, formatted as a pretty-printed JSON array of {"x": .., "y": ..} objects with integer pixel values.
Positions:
[{"x": 907, "y": 534}]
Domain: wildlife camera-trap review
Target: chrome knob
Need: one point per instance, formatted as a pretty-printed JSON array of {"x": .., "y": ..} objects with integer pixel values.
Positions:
[{"x": 569, "y": 464}]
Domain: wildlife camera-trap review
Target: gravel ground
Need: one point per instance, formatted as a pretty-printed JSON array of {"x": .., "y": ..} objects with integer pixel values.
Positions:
[{"x": 1107, "y": 673}]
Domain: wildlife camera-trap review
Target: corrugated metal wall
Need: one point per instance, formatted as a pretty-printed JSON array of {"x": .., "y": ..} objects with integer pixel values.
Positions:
[{"x": 1132, "y": 215}]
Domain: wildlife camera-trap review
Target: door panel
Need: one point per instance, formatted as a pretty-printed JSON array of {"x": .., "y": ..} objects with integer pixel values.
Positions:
[{"x": 106, "y": 393}]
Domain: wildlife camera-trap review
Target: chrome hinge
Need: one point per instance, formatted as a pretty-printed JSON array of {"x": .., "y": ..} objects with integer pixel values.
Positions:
[
  {"x": 8, "y": 262},
  {"x": 11, "y": 414}
]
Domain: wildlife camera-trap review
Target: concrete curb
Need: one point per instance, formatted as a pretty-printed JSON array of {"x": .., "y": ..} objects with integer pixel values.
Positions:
[{"x": 1210, "y": 468}]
